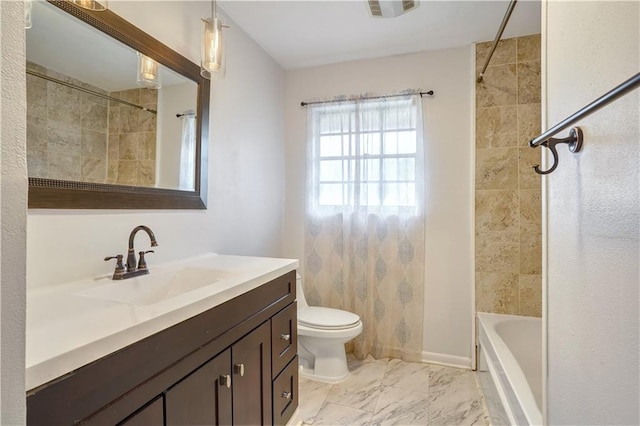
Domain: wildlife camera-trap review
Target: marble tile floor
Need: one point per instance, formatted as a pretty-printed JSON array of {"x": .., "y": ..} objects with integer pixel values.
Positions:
[{"x": 395, "y": 392}]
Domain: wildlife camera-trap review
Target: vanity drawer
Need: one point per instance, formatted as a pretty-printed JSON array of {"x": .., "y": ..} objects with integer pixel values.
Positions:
[
  {"x": 284, "y": 338},
  {"x": 285, "y": 393}
]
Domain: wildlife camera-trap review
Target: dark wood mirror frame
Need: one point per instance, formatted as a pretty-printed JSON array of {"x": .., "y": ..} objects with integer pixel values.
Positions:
[{"x": 60, "y": 194}]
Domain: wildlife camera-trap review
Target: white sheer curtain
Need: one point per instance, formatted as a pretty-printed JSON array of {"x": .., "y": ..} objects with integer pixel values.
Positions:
[
  {"x": 188, "y": 152},
  {"x": 364, "y": 248}
]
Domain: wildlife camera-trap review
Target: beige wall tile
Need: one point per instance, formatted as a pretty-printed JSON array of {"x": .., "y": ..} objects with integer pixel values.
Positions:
[
  {"x": 496, "y": 127},
  {"x": 131, "y": 95},
  {"x": 530, "y": 297},
  {"x": 528, "y": 48},
  {"x": 91, "y": 98},
  {"x": 114, "y": 147},
  {"x": 94, "y": 170},
  {"x": 496, "y": 210},
  {"x": 528, "y": 178},
  {"x": 497, "y": 292},
  {"x": 530, "y": 253},
  {"x": 149, "y": 96},
  {"x": 529, "y": 91},
  {"x": 147, "y": 146},
  {"x": 498, "y": 87},
  {"x": 128, "y": 147},
  {"x": 63, "y": 138},
  {"x": 497, "y": 168},
  {"x": 498, "y": 251},
  {"x": 36, "y": 98},
  {"x": 146, "y": 121},
  {"x": 114, "y": 119},
  {"x": 528, "y": 123},
  {"x": 64, "y": 166},
  {"x": 36, "y": 134},
  {"x": 63, "y": 104},
  {"x": 146, "y": 172},
  {"x": 530, "y": 211},
  {"x": 37, "y": 147},
  {"x": 129, "y": 118},
  {"x": 94, "y": 144},
  {"x": 38, "y": 165},
  {"x": 112, "y": 171},
  {"x": 508, "y": 212},
  {"x": 127, "y": 172},
  {"x": 505, "y": 53},
  {"x": 94, "y": 117}
]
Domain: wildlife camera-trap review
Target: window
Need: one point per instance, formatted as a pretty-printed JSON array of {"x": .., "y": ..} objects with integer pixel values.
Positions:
[{"x": 365, "y": 154}]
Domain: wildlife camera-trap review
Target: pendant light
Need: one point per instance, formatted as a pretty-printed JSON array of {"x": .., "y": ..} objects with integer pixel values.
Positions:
[
  {"x": 28, "y": 7},
  {"x": 148, "y": 72},
  {"x": 212, "y": 63},
  {"x": 96, "y": 5}
]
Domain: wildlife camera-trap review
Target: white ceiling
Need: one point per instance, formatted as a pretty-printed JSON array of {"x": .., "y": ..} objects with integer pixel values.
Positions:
[{"x": 307, "y": 33}]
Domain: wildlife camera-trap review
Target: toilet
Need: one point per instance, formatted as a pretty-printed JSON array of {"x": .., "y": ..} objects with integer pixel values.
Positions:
[{"x": 322, "y": 333}]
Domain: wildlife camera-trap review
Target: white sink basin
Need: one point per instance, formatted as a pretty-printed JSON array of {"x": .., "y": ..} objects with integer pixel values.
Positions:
[{"x": 154, "y": 288}]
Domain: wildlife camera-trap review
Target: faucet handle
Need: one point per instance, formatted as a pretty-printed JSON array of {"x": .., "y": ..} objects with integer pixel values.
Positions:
[
  {"x": 119, "y": 271},
  {"x": 142, "y": 263}
]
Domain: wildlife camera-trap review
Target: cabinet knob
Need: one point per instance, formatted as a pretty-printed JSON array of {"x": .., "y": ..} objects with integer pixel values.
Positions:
[
  {"x": 286, "y": 395},
  {"x": 225, "y": 380},
  {"x": 285, "y": 337},
  {"x": 239, "y": 369}
]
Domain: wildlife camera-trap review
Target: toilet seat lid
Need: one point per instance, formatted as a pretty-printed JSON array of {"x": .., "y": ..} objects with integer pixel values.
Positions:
[{"x": 327, "y": 318}]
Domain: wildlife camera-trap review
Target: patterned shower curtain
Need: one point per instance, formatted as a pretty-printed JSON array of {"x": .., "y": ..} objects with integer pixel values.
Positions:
[{"x": 364, "y": 248}]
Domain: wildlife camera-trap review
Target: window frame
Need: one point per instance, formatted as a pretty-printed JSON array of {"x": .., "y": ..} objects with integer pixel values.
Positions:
[{"x": 353, "y": 179}]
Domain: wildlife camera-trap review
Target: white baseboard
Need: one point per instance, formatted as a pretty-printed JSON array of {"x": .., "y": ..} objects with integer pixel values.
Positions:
[{"x": 447, "y": 360}]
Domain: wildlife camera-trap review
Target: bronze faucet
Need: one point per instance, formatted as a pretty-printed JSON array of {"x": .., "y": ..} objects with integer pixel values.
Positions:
[{"x": 131, "y": 269}]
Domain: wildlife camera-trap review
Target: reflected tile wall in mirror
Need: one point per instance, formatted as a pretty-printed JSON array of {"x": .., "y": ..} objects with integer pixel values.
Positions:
[{"x": 77, "y": 136}]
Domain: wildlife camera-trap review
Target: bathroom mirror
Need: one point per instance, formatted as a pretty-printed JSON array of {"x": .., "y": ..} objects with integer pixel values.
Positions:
[{"x": 115, "y": 119}]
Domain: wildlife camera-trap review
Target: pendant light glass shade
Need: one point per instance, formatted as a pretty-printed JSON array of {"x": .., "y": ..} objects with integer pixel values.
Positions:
[
  {"x": 148, "y": 72},
  {"x": 28, "y": 6},
  {"x": 96, "y": 5},
  {"x": 212, "y": 64}
]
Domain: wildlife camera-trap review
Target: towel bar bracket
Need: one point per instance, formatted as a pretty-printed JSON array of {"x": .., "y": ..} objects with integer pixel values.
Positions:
[{"x": 574, "y": 141}]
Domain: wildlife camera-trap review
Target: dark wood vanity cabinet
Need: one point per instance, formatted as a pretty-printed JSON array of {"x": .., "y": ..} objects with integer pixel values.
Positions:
[
  {"x": 203, "y": 397},
  {"x": 221, "y": 367}
]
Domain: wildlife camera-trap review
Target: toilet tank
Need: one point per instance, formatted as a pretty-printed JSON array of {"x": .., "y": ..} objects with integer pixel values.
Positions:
[{"x": 302, "y": 301}]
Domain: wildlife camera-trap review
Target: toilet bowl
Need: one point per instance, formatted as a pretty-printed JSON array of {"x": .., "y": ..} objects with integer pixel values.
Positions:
[{"x": 322, "y": 333}]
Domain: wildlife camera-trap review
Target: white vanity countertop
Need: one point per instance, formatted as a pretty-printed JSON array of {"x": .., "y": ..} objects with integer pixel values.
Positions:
[{"x": 66, "y": 329}]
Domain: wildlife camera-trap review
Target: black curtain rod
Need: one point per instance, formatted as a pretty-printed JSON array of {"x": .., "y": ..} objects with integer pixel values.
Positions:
[{"x": 429, "y": 93}]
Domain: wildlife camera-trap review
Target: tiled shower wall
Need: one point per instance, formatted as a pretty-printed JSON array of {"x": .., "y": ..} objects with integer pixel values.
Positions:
[
  {"x": 66, "y": 129},
  {"x": 76, "y": 136},
  {"x": 508, "y": 191},
  {"x": 132, "y": 138}
]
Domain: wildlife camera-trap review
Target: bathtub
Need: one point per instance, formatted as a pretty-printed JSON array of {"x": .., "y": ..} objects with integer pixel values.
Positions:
[{"x": 510, "y": 368}]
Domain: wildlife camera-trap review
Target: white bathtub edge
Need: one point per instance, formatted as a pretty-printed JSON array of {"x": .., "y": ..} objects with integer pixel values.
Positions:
[
  {"x": 510, "y": 370},
  {"x": 447, "y": 360}
]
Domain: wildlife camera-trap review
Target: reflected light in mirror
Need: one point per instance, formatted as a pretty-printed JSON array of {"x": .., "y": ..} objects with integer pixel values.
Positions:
[
  {"x": 97, "y": 5},
  {"x": 147, "y": 72},
  {"x": 28, "y": 6}
]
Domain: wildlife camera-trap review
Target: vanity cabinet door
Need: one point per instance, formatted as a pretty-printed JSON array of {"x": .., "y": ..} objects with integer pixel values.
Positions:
[
  {"x": 152, "y": 414},
  {"x": 251, "y": 357},
  {"x": 204, "y": 396}
]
